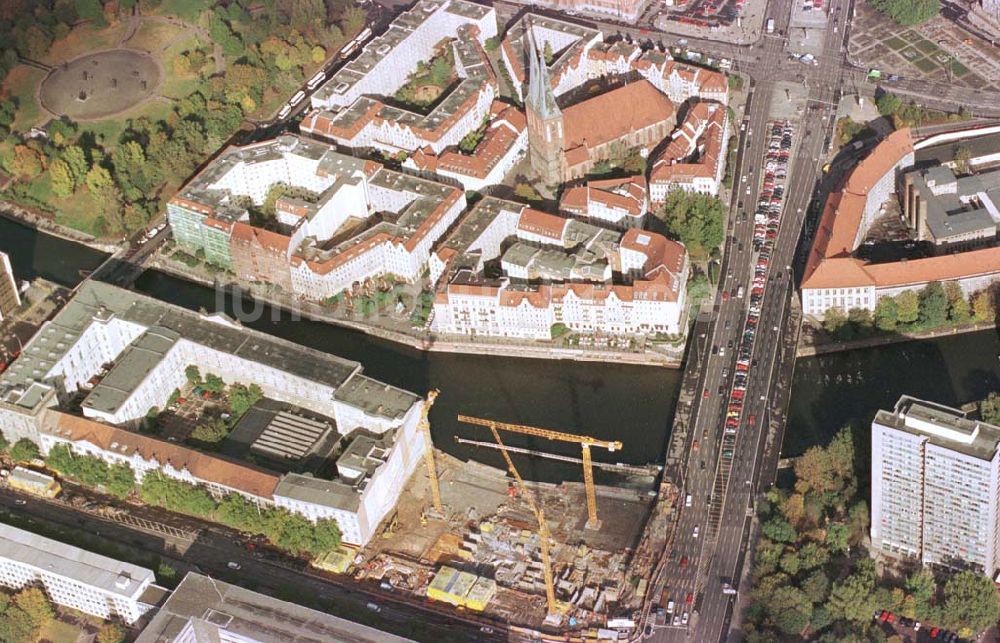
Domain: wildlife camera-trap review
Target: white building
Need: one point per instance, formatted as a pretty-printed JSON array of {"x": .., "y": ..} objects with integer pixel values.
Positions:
[
  {"x": 76, "y": 578},
  {"x": 620, "y": 203},
  {"x": 935, "y": 487},
  {"x": 149, "y": 345},
  {"x": 10, "y": 297},
  {"x": 695, "y": 158},
  {"x": 558, "y": 270},
  {"x": 325, "y": 241}
]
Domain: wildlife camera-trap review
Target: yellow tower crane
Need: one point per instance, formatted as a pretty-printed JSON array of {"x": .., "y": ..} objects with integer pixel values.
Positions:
[
  {"x": 585, "y": 443},
  {"x": 425, "y": 426},
  {"x": 543, "y": 529}
]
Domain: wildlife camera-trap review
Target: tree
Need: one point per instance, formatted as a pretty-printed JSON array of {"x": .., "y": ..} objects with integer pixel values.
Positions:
[
  {"x": 121, "y": 480},
  {"x": 4, "y": 444},
  {"x": 210, "y": 433},
  {"x": 886, "y": 314},
  {"x": 62, "y": 179},
  {"x": 970, "y": 600},
  {"x": 837, "y": 536},
  {"x": 98, "y": 179},
  {"x": 547, "y": 52},
  {"x": 241, "y": 398},
  {"x": 933, "y": 304},
  {"x": 853, "y": 599},
  {"x": 25, "y": 162},
  {"x": 76, "y": 163},
  {"x": 91, "y": 10},
  {"x": 961, "y": 157},
  {"x": 888, "y": 103},
  {"x": 908, "y": 12},
  {"x": 908, "y": 307},
  {"x": 24, "y": 450},
  {"x": 779, "y": 530},
  {"x": 989, "y": 409},
  {"x": 790, "y": 609},
  {"x": 958, "y": 306},
  {"x": 527, "y": 192},
  {"x": 111, "y": 633},
  {"x": 816, "y": 586},
  {"x": 174, "y": 495},
  {"x": 833, "y": 320},
  {"x": 193, "y": 375},
  {"x": 920, "y": 585},
  {"x": 33, "y": 602},
  {"x": 982, "y": 307},
  {"x": 860, "y": 319},
  {"x": 695, "y": 219}
]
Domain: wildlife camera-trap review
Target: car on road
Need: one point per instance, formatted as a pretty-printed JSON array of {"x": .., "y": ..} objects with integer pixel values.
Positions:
[
  {"x": 695, "y": 533},
  {"x": 374, "y": 607},
  {"x": 20, "y": 502},
  {"x": 234, "y": 565}
]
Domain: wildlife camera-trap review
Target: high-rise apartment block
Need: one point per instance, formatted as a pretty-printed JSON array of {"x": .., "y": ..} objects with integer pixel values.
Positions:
[
  {"x": 10, "y": 299},
  {"x": 935, "y": 486}
]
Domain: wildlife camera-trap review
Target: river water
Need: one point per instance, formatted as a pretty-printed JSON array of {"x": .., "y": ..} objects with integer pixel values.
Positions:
[{"x": 634, "y": 404}]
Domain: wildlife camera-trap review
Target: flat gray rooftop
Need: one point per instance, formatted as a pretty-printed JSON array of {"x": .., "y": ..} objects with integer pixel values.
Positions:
[
  {"x": 131, "y": 369},
  {"x": 214, "y": 606},
  {"x": 375, "y": 398},
  {"x": 97, "y": 301},
  {"x": 943, "y": 426},
  {"x": 53, "y": 557}
]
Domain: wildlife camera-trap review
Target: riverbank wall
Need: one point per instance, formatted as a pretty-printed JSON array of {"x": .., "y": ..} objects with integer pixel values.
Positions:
[
  {"x": 826, "y": 348},
  {"x": 315, "y": 312},
  {"x": 44, "y": 223}
]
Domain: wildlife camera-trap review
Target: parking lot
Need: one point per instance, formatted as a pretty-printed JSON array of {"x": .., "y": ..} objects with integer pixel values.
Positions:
[{"x": 937, "y": 50}]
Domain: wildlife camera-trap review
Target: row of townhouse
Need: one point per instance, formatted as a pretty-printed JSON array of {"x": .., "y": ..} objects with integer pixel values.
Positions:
[
  {"x": 557, "y": 271},
  {"x": 695, "y": 158}
]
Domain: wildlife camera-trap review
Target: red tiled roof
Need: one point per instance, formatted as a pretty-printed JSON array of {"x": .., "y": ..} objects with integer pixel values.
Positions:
[
  {"x": 542, "y": 223},
  {"x": 248, "y": 234},
  {"x": 703, "y": 128},
  {"x": 209, "y": 468},
  {"x": 612, "y": 115}
]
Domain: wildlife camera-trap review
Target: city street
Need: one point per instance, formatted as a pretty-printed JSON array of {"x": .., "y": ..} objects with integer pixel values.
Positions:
[{"x": 207, "y": 548}]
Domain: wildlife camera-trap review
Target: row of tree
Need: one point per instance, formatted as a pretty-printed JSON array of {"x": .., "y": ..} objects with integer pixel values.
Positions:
[
  {"x": 813, "y": 579},
  {"x": 289, "y": 531},
  {"x": 908, "y": 12},
  {"x": 936, "y": 305}
]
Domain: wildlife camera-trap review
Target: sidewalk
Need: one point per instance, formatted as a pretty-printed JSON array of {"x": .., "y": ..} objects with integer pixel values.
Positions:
[{"x": 825, "y": 348}]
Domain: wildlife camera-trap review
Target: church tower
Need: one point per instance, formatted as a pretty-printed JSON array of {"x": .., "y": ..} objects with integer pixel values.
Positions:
[{"x": 545, "y": 120}]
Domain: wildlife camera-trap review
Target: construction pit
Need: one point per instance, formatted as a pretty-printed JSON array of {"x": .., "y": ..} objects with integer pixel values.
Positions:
[{"x": 490, "y": 531}]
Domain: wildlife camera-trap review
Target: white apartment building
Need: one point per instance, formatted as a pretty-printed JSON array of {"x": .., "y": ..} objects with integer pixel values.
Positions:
[
  {"x": 10, "y": 296},
  {"x": 149, "y": 345},
  {"x": 344, "y": 195},
  {"x": 389, "y": 59},
  {"x": 620, "y": 203},
  {"x": 76, "y": 578},
  {"x": 935, "y": 487}
]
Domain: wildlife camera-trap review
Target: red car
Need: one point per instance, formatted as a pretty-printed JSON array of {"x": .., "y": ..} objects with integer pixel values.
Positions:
[
  {"x": 689, "y": 599},
  {"x": 705, "y": 395},
  {"x": 934, "y": 632},
  {"x": 684, "y": 562},
  {"x": 695, "y": 445},
  {"x": 725, "y": 296}
]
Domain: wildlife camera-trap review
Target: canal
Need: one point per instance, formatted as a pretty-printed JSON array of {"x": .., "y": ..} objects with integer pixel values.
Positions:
[{"x": 633, "y": 404}]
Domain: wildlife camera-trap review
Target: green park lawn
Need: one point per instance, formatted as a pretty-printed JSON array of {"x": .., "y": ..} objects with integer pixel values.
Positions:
[{"x": 20, "y": 84}]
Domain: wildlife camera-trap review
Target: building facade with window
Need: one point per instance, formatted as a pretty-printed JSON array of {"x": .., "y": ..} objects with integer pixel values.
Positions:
[{"x": 935, "y": 487}]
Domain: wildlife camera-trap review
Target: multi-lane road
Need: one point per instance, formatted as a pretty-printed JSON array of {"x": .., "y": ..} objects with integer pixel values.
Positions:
[{"x": 723, "y": 486}]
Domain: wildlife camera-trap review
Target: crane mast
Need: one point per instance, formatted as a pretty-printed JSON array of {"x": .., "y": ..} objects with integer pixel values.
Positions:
[
  {"x": 584, "y": 441},
  {"x": 425, "y": 427}
]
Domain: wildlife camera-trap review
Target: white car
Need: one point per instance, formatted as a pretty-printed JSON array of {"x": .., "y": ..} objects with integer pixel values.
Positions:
[
  {"x": 684, "y": 619},
  {"x": 696, "y": 531}
]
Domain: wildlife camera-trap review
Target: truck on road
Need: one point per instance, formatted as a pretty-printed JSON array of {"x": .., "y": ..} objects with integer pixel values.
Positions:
[{"x": 770, "y": 25}]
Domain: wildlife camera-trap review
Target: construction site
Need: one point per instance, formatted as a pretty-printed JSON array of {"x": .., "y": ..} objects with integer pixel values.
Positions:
[{"x": 554, "y": 557}]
